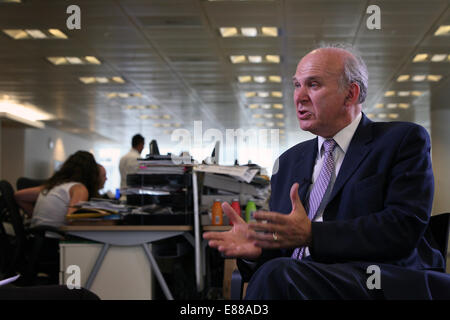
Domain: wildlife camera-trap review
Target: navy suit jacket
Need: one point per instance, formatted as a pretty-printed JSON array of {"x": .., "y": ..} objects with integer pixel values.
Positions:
[{"x": 381, "y": 202}]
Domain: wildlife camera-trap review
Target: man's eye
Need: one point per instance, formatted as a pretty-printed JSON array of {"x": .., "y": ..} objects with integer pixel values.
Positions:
[{"x": 296, "y": 85}]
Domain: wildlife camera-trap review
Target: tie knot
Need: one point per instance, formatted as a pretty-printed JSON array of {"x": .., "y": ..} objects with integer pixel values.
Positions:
[{"x": 328, "y": 145}]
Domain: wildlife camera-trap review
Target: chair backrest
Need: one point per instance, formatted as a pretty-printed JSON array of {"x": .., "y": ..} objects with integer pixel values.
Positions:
[
  {"x": 9, "y": 213},
  {"x": 23, "y": 183},
  {"x": 440, "y": 228}
]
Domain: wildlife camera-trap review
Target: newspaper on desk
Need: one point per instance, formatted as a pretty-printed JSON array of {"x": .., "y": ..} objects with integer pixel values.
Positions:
[
  {"x": 103, "y": 204},
  {"x": 241, "y": 172}
]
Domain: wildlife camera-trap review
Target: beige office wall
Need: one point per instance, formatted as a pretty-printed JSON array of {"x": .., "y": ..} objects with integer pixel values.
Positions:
[
  {"x": 12, "y": 153},
  {"x": 34, "y": 153},
  {"x": 440, "y": 141},
  {"x": 46, "y": 149}
]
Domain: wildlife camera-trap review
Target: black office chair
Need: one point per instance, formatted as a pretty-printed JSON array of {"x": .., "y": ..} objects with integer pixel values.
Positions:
[
  {"x": 439, "y": 226},
  {"x": 23, "y": 183},
  {"x": 21, "y": 250}
]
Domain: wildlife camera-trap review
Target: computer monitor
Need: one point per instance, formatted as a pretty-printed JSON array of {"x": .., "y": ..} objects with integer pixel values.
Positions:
[
  {"x": 215, "y": 153},
  {"x": 154, "y": 151}
]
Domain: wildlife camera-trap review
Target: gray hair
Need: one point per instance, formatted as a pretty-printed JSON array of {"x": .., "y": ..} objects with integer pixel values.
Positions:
[{"x": 355, "y": 69}]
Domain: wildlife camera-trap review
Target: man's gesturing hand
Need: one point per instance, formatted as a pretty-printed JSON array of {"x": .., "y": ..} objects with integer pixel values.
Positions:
[
  {"x": 277, "y": 230},
  {"x": 236, "y": 242}
]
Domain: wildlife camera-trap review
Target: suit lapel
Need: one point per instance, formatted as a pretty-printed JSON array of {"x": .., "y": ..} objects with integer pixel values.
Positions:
[
  {"x": 304, "y": 167},
  {"x": 357, "y": 151}
]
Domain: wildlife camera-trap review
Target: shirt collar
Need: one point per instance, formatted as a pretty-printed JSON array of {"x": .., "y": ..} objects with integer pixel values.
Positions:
[{"x": 344, "y": 136}]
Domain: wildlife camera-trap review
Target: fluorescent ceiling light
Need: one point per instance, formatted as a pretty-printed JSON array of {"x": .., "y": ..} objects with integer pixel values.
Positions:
[
  {"x": 393, "y": 115},
  {"x": 123, "y": 95},
  {"x": 279, "y": 116},
  {"x": 101, "y": 79},
  {"x": 24, "y": 34},
  {"x": 90, "y": 80},
  {"x": 403, "y": 105},
  {"x": 74, "y": 60},
  {"x": 87, "y": 80},
  {"x": 244, "y": 79},
  {"x": 249, "y": 32},
  {"x": 27, "y": 114},
  {"x": 270, "y": 31},
  {"x": 16, "y": 34},
  {"x": 57, "y": 33},
  {"x": 418, "y": 78},
  {"x": 268, "y": 115},
  {"x": 276, "y": 94},
  {"x": 442, "y": 31},
  {"x": 416, "y": 93},
  {"x": 257, "y": 116},
  {"x": 379, "y": 106},
  {"x": 382, "y": 115},
  {"x": 255, "y": 59},
  {"x": 280, "y": 124},
  {"x": 420, "y": 57},
  {"x": 57, "y": 60},
  {"x": 273, "y": 58},
  {"x": 403, "y": 77},
  {"x": 438, "y": 57},
  {"x": 389, "y": 93},
  {"x": 404, "y": 93},
  {"x": 270, "y": 124},
  {"x": 36, "y": 34},
  {"x": 278, "y": 106},
  {"x": 92, "y": 60},
  {"x": 391, "y": 105},
  {"x": 265, "y": 106},
  {"x": 228, "y": 31},
  {"x": 238, "y": 59},
  {"x": 282, "y": 131},
  {"x": 260, "y": 79},
  {"x": 434, "y": 77},
  {"x": 118, "y": 79},
  {"x": 250, "y": 94},
  {"x": 274, "y": 78},
  {"x": 263, "y": 94},
  {"x": 253, "y": 106}
]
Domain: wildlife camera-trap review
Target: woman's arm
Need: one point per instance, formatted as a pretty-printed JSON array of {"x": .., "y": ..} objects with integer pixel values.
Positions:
[
  {"x": 26, "y": 198},
  {"x": 78, "y": 193}
]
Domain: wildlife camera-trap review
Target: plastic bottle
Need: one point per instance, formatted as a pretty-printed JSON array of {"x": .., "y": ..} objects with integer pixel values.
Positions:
[
  {"x": 237, "y": 207},
  {"x": 249, "y": 211},
  {"x": 217, "y": 213}
]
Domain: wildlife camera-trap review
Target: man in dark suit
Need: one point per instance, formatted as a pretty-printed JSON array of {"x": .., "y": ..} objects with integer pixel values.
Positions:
[{"x": 367, "y": 188}]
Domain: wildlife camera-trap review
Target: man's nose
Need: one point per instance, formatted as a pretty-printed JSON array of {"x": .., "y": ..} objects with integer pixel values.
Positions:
[{"x": 301, "y": 96}]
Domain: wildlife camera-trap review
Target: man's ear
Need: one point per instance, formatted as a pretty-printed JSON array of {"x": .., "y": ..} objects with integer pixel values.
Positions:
[{"x": 352, "y": 94}]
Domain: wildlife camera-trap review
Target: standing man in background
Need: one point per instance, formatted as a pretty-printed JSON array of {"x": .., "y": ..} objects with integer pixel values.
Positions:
[{"x": 128, "y": 163}]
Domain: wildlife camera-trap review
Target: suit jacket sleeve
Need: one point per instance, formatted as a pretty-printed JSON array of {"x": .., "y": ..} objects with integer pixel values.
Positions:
[{"x": 394, "y": 232}]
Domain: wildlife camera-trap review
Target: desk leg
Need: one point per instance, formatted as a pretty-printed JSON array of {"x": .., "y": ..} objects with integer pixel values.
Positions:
[
  {"x": 97, "y": 265},
  {"x": 158, "y": 273}
]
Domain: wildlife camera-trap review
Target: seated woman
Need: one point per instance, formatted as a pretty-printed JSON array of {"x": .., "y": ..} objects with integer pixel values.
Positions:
[{"x": 78, "y": 179}]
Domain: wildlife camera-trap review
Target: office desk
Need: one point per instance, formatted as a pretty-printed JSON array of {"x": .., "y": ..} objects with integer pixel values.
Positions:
[{"x": 129, "y": 236}]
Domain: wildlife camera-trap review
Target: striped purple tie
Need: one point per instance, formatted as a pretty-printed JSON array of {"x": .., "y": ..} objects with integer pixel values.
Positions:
[{"x": 319, "y": 188}]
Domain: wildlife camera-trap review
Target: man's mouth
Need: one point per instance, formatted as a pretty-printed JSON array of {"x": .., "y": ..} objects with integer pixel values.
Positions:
[{"x": 303, "y": 114}]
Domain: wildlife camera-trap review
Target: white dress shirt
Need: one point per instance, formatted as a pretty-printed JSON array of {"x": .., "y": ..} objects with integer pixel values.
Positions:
[
  {"x": 343, "y": 139},
  {"x": 128, "y": 165}
]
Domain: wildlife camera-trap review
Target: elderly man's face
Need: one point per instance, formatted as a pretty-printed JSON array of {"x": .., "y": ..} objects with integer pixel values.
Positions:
[{"x": 319, "y": 100}]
